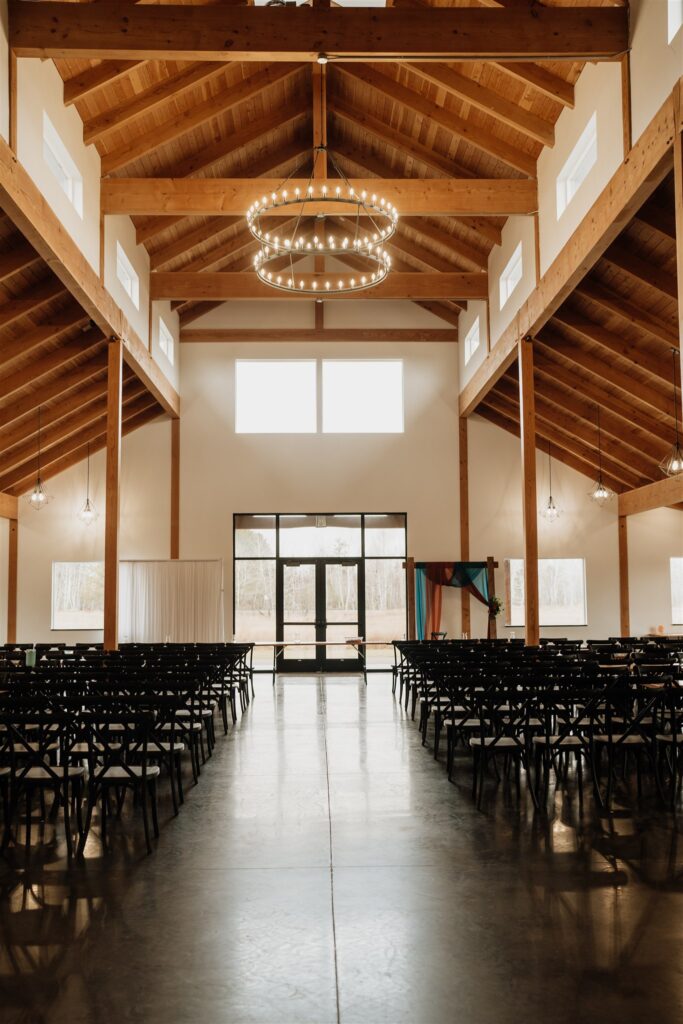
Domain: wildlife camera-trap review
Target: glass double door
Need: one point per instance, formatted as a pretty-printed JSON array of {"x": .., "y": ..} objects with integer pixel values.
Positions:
[{"x": 319, "y": 605}]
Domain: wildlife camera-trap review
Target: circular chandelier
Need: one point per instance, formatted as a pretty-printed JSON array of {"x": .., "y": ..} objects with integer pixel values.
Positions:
[{"x": 312, "y": 235}]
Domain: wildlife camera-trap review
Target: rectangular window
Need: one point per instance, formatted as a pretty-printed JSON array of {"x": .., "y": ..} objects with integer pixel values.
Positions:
[
  {"x": 561, "y": 592},
  {"x": 275, "y": 396},
  {"x": 130, "y": 282},
  {"x": 77, "y": 595},
  {"x": 166, "y": 341},
  {"x": 61, "y": 164},
  {"x": 471, "y": 341},
  {"x": 511, "y": 276},
  {"x": 674, "y": 19},
  {"x": 579, "y": 162},
  {"x": 363, "y": 396},
  {"x": 677, "y": 591}
]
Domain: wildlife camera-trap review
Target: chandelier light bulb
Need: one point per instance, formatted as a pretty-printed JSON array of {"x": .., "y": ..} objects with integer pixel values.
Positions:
[
  {"x": 550, "y": 512},
  {"x": 601, "y": 493},
  {"x": 38, "y": 497}
]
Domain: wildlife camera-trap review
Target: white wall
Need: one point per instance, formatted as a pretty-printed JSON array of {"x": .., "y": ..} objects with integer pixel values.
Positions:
[
  {"x": 4, "y": 73},
  {"x": 56, "y": 534},
  {"x": 517, "y": 229},
  {"x": 39, "y": 88},
  {"x": 598, "y": 90},
  {"x": 120, "y": 229},
  {"x": 584, "y": 530},
  {"x": 415, "y": 472},
  {"x": 465, "y": 321},
  {"x": 656, "y": 66}
]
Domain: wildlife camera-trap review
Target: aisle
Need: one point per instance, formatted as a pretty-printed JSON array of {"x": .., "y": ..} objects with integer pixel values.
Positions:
[{"x": 324, "y": 871}]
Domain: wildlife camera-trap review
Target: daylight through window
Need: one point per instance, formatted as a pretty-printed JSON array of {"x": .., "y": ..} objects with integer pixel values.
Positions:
[
  {"x": 62, "y": 166},
  {"x": 579, "y": 163},
  {"x": 561, "y": 592},
  {"x": 511, "y": 276},
  {"x": 77, "y": 595},
  {"x": 677, "y": 591}
]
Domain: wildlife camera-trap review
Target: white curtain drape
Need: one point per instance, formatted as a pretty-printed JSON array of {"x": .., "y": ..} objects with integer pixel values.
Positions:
[{"x": 171, "y": 602}]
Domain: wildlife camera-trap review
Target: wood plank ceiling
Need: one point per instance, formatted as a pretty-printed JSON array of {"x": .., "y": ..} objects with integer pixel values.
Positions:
[
  {"x": 609, "y": 346},
  {"x": 52, "y": 359}
]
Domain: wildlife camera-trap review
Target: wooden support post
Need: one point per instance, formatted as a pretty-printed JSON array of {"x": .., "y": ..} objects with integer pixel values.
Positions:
[
  {"x": 624, "y": 608},
  {"x": 465, "y": 615},
  {"x": 175, "y": 488},
  {"x": 492, "y": 632},
  {"x": 527, "y": 416},
  {"x": 319, "y": 106},
  {"x": 12, "y": 581},
  {"x": 678, "y": 200},
  {"x": 409, "y": 566},
  {"x": 111, "y": 529}
]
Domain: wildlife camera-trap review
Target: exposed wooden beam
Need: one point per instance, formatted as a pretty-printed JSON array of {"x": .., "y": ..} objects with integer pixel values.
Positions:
[
  {"x": 49, "y": 362},
  {"x": 540, "y": 79},
  {"x": 678, "y": 202},
  {"x": 71, "y": 316},
  {"x": 624, "y": 604},
  {"x": 568, "y": 458},
  {"x": 606, "y": 370},
  {"x": 247, "y": 286},
  {"x": 409, "y": 335},
  {"x": 658, "y": 219},
  {"x": 643, "y": 358},
  {"x": 26, "y": 427},
  {"x": 168, "y": 89},
  {"x": 627, "y": 311},
  {"x": 643, "y": 270},
  {"x": 9, "y": 507},
  {"x": 632, "y": 183},
  {"x": 103, "y": 30},
  {"x": 492, "y": 103},
  {"x": 30, "y": 301},
  {"x": 480, "y": 138},
  {"x": 17, "y": 257},
  {"x": 30, "y": 212},
  {"x": 527, "y": 421},
  {"x": 86, "y": 82},
  {"x": 230, "y": 197},
  {"x": 196, "y": 116},
  {"x": 661, "y": 494},
  {"x": 60, "y": 385}
]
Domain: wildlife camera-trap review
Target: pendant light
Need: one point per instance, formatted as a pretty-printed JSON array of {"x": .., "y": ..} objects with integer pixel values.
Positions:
[
  {"x": 600, "y": 492},
  {"x": 88, "y": 513},
  {"x": 550, "y": 511},
  {"x": 672, "y": 465},
  {"x": 38, "y": 498}
]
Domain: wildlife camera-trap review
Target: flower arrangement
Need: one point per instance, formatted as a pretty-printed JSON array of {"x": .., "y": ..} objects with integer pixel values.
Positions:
[{"x": 495, "y": 606}]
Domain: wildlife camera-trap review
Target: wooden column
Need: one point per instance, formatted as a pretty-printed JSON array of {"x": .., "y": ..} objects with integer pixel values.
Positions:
[
  {"x": 111, "y": 527},
  {"x": 12, "y": 580},
  {"x": 492, "y": 631},
  {"x": 319, "y": 95},
  {"x": 409, "y": 566},
  {"x": 527, "y": 417},
  {"x": 175, "y": 488},
  {"x": 465, "y": 614},
  {"x": 624, "y": 609},
  {"x": 678, "y": 201}
]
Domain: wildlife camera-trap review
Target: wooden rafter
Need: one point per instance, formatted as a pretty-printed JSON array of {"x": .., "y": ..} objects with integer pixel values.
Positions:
[
  {"x": 627, "y": 311},
  {"x": 30, "y": 301},
  {"x": 59, "y": 385},
  {"x": 69, "y": 317},
  {"x": 51, "y": 361},
  {"x": 639, "y": 356},
  {"x": 92, "y": 79},
  {"x": 642, "y": 270},
  {"x": 257, "y": 33},
  {"x": 368, "y": 335}
]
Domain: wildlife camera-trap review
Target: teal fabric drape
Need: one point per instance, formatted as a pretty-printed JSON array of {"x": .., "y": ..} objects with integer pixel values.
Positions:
[{"x": 430, "y": 577}]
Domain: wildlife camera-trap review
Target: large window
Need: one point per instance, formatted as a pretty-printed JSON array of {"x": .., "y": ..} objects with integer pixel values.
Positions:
[
  {"x": 128, "y": 279},
  {"x": 376, "y": 542},
  {"x": 511, "y": 276},
  {"x": 275, "y": 396},
  {"x": 62, "y": 166},
  {"x": 677, "y": 591},
  {"x": 166, "y": 342},
  {"x": 362, "y": 396},
  {"x": 472, "y": 341},
  {"x": 77, "y": 595},
  {"x": 674, "y": 19},
  {"x": 561, "y": 592},
  {"x": 579, "y": 162}
]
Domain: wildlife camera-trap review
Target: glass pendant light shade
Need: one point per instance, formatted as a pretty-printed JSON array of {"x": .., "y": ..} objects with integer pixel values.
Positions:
[
  {"x": 39, "y": 498},
  {"x": 88, "y": 513},
  {"x": 600, "y": 493},
  {"x": 550, "y": 512},
  {"x": 672, "y": 465}
]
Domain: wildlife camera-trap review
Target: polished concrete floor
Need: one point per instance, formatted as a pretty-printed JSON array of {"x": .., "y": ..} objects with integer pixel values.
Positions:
[{"x": 325, "y": 871}]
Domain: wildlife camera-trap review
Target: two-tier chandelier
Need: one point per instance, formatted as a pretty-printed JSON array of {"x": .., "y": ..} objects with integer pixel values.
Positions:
[{"x": 374, "y": 221}]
